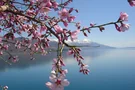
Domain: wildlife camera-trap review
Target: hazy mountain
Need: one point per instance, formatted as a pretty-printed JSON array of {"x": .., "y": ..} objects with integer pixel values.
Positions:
[
  {"x": 53, "y": 44},
  {"x": 81, "y": 43},
  {"x": 127, "y": 48}
]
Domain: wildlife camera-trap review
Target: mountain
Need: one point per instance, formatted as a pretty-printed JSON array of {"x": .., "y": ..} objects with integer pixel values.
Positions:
[
  {"x": 81, "y": 43},
  {"x": 53, "y": 45},
  {"x": 127, "y": 48}
]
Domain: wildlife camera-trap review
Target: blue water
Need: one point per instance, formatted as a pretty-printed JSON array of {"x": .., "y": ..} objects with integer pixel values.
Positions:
[{"x": 110, "y": 69}]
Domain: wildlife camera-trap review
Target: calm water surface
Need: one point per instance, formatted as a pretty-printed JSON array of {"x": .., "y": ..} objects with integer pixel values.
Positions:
[{"x": 110, "y": 69}]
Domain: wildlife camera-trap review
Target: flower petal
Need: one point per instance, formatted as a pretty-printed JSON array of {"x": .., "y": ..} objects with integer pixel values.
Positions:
[
  {"x": 52, "y": 78},
  {"x": 49, "y": 85},
  {"x": 65, "y": 82}
]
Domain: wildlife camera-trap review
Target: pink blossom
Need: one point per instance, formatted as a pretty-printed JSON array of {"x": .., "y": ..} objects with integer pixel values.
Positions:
[
  {"x": 74, "y": 34},
  {"x": 21, "y": 18},
  {"x": 5, "y": 88},
  {"x": 58, "y": 29},
  {"x": 54, "y": 66},
  {"x": 117, "y": 27},
  {"x": 92, "y": 24},
  {"x": 43, "y": 52},
  {"x": 61, "y": 61},
  {"x": 70, "y": 52},
  {"x": 36, "y": 47},
  {"x": 55, "y": 4},
  {"x": 124, "y": 27},
  {"x": 57, "y": 63},
  {"x": 15, "y": 59},
  {"x": 18, "y": 44},
  {"x": 63, "y": 13},
  {"x": 57, "y": 83},
  {"x": 44, "y": 10},
  {"x": 25, "y": 27},
  {"x": 85, "y": 34},
  {"x": 71, "y": 9},
  {"x": 36, "y": 35},
  {"x": 131, "y": 2},
  {"x": 123, "y": 16},
  {"x": 71, "y": 18},
  {"x": 65, "y": 23},
  {"x": 48, "y": 4},
  {"x": 30, "y": 12},
  {"x": 101, "y": 28},
  {"x": 32, "y": 1},
  {"x": 60, "y": 39},
  {"x": 84, "y": 69},
  {"x": 45, "y": 3},
  {"x": 64, "y": 72},
  {"x": 1, "y": 52},
  {"x": 78, "y": 25},
  {"x": 5, "y": 47},
  {"x": 43, "y": 28}
]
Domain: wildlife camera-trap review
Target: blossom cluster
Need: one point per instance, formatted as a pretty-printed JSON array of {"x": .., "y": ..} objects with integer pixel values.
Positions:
[
  {"x": 4, "y": 87},
  {"x": 76, "y": 53},
  {"x": 131, "y": 2},
  {"x": 31, "y": 20},
  {"x": 123, "y": 27},
  {"x": 57, "y": 81}
]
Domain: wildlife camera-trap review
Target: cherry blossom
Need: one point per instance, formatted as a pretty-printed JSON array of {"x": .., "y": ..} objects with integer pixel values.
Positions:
[
  {"x": 131, "y": 2},
  {"x": 55, "y": 4},
  {"x": 65, "y": 23},
  {"x": 124, "y": 27},
  {"x": 44, "y": 10},
  {"x": 64, "y": 13},
  {"x": 40, "y": 20},
  {"x": 84, "y": 69},
  {"x": 92, "y": 24},
  {"x": 5, "y": 47},
  {"x": 71, "y": 18},
  {"x": 64, "y": 72},
  {"x": 15, "y": 59},
  {"x": 57, "y": 83},
  {"x": 54, "y": 66},
  {"x": 123, "y": 16},
  {"x": 58, "y": 29},
  {"x": 43, "y": 28},
  {"x": 74, "y": 34},
  {"x": 70, "y": 52},
  {"x": 117, "y": 27},
  {"x": 1, "y": 52},
  {"x": 5, "y": 88}
]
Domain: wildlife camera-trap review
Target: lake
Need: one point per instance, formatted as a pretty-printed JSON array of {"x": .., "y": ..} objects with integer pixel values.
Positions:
[{"x": 110, "y": 69}]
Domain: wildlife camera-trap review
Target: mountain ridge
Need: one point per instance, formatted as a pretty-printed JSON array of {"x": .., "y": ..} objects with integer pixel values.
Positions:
[{"x": 53, "y": 44}]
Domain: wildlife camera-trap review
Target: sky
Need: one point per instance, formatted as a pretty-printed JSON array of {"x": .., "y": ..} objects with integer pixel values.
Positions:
[{"x": 104, "y": 11}]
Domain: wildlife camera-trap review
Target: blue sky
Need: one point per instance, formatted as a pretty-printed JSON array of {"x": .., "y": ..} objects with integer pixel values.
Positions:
[{"x": 103, "y": 11}]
